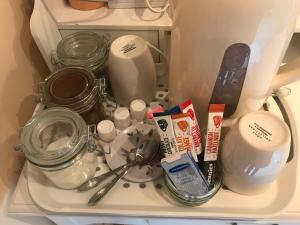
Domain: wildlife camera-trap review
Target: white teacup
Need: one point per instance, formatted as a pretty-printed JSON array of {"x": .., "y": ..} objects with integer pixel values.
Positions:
[{"x": 254, "y": 152}]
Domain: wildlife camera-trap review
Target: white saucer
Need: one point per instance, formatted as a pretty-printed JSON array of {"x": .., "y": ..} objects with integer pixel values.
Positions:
[{"x": 122, "y": 149}]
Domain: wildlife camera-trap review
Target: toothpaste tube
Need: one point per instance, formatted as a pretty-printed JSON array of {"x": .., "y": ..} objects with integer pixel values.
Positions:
[
  {"x": 175, "y": 110},
  {"x": 184, "y": 173},
  {"x": 149, "y": 115},
  {"x": 215, "y": 117},
  {"x": 165, "y": 129},
  {"x": 182, "y": 130},
  {"x": 157, "y": 109},
  {"x": 187, "y": 107}
]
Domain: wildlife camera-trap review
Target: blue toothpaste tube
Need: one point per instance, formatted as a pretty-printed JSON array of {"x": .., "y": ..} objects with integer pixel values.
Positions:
[{"x": 174, "y": 110}]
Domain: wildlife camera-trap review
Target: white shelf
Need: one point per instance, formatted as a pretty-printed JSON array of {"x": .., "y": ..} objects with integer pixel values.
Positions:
[{"x": 105, "y": 18}]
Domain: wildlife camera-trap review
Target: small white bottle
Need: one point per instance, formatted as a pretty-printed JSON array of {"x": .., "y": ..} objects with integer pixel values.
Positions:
[
  {"x": 122, "y": 118},
  {"x": 106, "y": 130},
  {"x": 138, "y": 110}
]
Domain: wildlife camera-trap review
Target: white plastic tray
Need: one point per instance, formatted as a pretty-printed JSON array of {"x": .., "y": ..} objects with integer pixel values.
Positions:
[{"x": 151, "y": 201}]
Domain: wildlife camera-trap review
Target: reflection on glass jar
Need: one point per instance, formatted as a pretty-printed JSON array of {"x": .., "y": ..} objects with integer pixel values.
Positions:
[
  {"x": 75, "y": 88},
  {"x": 56, "y": 142},
  {"x": 85, "y": 49}
]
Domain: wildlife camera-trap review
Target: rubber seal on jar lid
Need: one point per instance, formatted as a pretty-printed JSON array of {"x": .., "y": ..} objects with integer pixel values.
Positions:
[{"x": 53, "y": 137}]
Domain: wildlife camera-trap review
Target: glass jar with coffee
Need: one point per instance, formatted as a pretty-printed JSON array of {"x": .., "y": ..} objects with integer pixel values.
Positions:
[{"x": 75, "y": 88}]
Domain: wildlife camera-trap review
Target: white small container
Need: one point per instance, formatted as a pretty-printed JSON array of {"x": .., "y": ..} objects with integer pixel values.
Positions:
[
  {"x": 106, "y": 130},
  {"x": 122, "y": 118},
  {"x": 138, "y": 110}
]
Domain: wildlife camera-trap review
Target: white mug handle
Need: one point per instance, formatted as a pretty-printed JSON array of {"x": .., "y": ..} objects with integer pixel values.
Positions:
[{"x": 229, "y": 122}]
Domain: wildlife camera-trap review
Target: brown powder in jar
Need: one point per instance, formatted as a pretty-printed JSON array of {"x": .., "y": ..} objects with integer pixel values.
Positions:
[{"x": 70, "y": 85}]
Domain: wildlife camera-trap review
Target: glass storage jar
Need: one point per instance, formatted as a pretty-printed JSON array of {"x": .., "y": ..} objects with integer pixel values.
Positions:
[
  {"x": 75, "y": 88},
  {"x": 84, "y": 49},
  {"x": 56, "y": 142},
  {"x": 188, "y": 199}
]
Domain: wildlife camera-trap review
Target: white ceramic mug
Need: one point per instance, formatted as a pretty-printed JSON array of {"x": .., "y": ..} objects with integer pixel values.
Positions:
[
  {"x": 131, "y": 70},
  {"x": 254, "y": 152}
]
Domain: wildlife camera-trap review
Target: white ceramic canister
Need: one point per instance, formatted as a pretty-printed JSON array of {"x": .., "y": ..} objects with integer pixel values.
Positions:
[
  {"x": 55, "y": 141},
  {"x": 131, "y": 70},
  {"x": 229, "y": 51}
]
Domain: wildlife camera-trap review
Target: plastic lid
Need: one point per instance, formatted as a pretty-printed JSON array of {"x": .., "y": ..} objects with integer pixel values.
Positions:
[
  {"x": 121, "y": 113},
  {"x": 53, "y": 137},
  {"x": 264, "y": 130},
  {"x": 137, "y": 105}
]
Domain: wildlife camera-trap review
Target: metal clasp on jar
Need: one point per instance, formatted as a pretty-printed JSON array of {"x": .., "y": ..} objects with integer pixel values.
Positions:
[
  {"x": 92, "y": 138},
  {"x": 102, "y": 89}
]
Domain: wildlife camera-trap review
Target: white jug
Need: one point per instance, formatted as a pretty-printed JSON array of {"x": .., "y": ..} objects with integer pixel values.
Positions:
[{"x": 229, "y": 51}]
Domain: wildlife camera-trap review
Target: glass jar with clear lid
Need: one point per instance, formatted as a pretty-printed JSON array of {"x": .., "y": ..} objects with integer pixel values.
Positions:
[
  {"x": 85, "y": 49},
  {"x": 56, "y": 142}
]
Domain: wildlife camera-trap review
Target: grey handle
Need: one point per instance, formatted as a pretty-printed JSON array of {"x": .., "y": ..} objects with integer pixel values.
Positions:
[
  {"x": 93, "y": 182},
  {"x": 102, "y": 192}
]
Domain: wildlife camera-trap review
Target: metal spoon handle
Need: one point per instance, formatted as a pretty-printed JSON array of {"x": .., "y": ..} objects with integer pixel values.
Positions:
[
  {"x": 93, "y": 182},
  {"x": 102, "y": 192}
]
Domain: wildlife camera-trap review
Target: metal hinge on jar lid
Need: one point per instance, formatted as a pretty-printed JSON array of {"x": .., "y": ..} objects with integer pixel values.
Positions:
[
  {"x": 18, "y": 147},
  {"x": 92, "y": 138},
  {"x": 102, "y": 88},
  {"x": 40, "y": 93}
]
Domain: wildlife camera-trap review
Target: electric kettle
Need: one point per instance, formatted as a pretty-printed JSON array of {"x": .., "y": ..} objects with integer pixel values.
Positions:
[{"x": 229, "y": 51}]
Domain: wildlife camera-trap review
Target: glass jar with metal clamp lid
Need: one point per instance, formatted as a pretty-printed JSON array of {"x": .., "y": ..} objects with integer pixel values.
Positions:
[
  {"x": 75, "y": 88},
  {"x": 61, "y": 145},
  {"x": 84, "y": 49}
]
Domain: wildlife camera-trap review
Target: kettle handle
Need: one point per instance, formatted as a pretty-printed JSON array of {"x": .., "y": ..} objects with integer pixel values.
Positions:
[
  {"x": 287, "y": 74},
  {"x": 162, "y": 54},
  {"x": 157, "y": 50}
]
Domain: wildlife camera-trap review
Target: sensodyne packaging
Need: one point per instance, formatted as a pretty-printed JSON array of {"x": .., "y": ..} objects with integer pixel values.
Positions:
[{"x": 184, "y": 173}]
